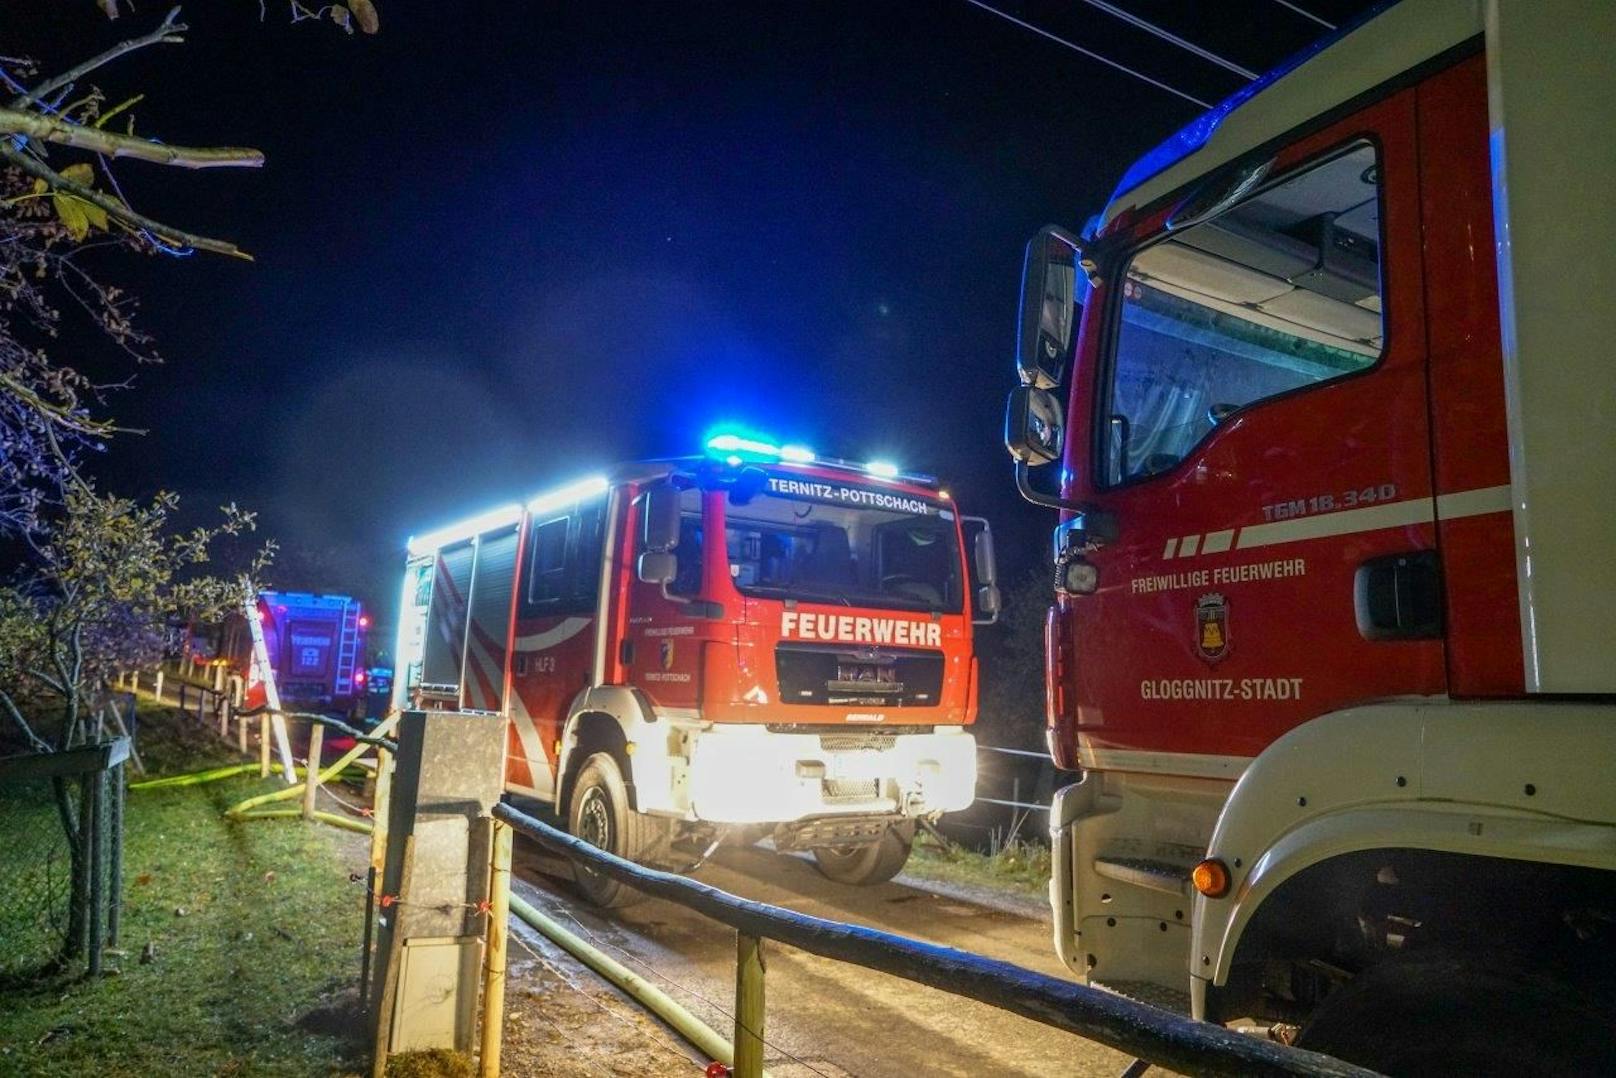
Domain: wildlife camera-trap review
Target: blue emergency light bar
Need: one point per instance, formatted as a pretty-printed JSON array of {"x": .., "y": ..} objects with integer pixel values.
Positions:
[{"x": 735, "y": 449}]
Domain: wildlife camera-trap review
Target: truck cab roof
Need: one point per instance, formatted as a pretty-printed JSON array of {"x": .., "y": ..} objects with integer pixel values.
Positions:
[{"x": 1321, "y": 82}]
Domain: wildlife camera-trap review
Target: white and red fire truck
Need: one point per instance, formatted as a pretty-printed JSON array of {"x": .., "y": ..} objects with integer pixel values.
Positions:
[
  {"x": 315, "y": 645},
  {"x": 1335, "y": 630},
  {"x": 760, "y": 637}
]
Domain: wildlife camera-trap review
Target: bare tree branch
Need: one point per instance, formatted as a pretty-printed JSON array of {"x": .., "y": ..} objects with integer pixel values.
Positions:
[
  {"x": 167, "y": 33},
  {"x": 116, "y": 209},
  {"x": 112, "y": 144},
  {"x": 38, "y": 743}
]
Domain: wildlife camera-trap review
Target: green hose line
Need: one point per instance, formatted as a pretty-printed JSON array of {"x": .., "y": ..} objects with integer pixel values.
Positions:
[
  {"x": 290, "y": 792},
  {"x": 198, "y": 777},
  {"x": 193, "y": 778},
  {"x": 705, "y": 1039},
  {"x": 347, "y": 823}
]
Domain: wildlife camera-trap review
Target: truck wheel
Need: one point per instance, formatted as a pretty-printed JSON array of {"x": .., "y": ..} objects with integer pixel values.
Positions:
[
  {"x": 876, "y": 862},
  {"x": 598, "y": 813},
  {"x": 1440, "y": 1013}
]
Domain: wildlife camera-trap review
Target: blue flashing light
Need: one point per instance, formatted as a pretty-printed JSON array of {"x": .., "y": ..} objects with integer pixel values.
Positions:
[
  {"x": 739, "y": 443},
  {"x": 882, "y": 468},
  {"x": 797, "y": 454},
  {"x": 1198, "y": 132}
]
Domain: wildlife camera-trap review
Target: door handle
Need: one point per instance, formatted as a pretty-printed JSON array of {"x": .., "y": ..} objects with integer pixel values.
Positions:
[{"x": 1399, "y": 597}]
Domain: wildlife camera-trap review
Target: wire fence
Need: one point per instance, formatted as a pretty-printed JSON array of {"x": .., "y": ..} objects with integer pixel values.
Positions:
[
  {"x": 36, "y": 877},
  {"x": 61, "y": 861}
]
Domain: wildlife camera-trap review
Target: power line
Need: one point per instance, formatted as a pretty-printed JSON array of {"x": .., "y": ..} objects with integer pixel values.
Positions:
[
  {"x": 1304, "y": 13},
  {"x": 1171, "y": 38},
  {"x": 1092, "y": 55}
]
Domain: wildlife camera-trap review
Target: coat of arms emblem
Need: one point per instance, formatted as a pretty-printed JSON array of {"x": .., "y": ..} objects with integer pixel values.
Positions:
[{"x": 1212, "y": 627}]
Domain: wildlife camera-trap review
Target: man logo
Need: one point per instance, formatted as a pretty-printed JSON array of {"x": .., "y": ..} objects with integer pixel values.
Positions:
[
  {"x": 667, "y": 654},
  {"x": 1212, "y": 627}
]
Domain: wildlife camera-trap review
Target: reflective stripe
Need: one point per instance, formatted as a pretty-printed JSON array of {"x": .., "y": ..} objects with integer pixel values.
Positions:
[
  {"x": 1346, "y": 522},
  {"x": 568, "y": 629},
  {"x": 1473, "y": 503},
  {"x": 1464, "y": 503}
]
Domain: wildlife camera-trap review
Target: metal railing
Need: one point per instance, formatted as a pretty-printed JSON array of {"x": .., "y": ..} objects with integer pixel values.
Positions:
[
  {"x": 1015, "y": 801},
  {"x": 1152, "y": 1035}
]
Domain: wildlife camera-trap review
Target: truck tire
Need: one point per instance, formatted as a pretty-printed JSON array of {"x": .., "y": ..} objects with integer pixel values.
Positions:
[
  {"x": 875, "y": 862},
  {"x": 1443, "y": 1013},
  {"x": 598, "y": 813}
]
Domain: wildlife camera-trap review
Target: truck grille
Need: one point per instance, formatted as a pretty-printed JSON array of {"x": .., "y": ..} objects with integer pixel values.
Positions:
[
  {"x": 858, "y": 741},
  {"x": 852, "y": 789},
  {"x": 839, "y": 675}
]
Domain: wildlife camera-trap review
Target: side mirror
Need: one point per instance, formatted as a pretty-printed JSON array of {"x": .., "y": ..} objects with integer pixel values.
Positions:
[
  {"x": 984, "y": 570},
  {"x": 987, "y": 567},
  {"x": 1048, "y": 307},
  {"x": 658, "y": 567},
  {"x": 1033, "y": 427},
  {"x": 659, "y": 513},
  {"x": 748, "y": 485}
]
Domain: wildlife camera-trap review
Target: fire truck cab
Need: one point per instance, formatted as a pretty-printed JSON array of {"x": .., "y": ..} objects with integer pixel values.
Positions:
[
  {"x": 1334, "y": 637},
  {"x": 760, "y": 640}
]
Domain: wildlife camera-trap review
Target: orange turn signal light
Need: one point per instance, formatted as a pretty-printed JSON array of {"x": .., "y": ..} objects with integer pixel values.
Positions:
[{"x": 1211, "y": 878}]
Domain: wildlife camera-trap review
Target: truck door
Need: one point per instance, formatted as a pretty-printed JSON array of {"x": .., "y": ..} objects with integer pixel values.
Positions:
[
  {"x": 662, "y": 652},
  {"x": 553, "y": 650},
  {"x": 1255, "y": 386}
]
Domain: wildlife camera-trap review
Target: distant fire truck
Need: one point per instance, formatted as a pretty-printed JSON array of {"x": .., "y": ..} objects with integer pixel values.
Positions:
[
  {"x": 761, "y": 636},
  {"x": 1335, "y": 632},
  {"x": 315, "y": 645}
]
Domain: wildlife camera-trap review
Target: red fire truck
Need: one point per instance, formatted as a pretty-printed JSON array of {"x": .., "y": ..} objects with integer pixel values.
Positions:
[
  {"x": 761, "y": 637},
  {"x": 315, "y": 645},
  {"x": 1335, "y": 630}
]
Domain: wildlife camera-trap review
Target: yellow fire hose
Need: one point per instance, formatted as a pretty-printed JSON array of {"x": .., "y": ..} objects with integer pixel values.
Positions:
[
  {"x": 706, "y": 1040},
  {"x": 336, "y": 820},
  {"x": 194, "y": 778},
  {"x": 382, "y": 729}
]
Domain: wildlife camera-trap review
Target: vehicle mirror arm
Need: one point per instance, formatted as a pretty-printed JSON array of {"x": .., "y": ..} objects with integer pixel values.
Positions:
[
  {"x": 1038, "y": 497},
  {"x": 1089, "y": 528}
]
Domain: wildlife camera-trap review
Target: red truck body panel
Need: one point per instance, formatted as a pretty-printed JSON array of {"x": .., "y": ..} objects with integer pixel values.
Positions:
[{"x": 1263, "y": 526}]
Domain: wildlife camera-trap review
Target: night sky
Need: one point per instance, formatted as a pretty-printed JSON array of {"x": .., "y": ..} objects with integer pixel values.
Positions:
[{"x": 499, "y": 245}]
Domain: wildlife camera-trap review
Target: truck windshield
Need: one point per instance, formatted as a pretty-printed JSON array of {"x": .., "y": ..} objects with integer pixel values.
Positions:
[
  {"x": 827, "y": 542},
  {"x": 1276, "y": 294}
]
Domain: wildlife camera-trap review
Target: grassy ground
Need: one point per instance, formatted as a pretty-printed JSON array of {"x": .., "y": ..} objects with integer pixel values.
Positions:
[
  {"x": 1016, "y": 865},
  {"x": 241, "y": 941}
]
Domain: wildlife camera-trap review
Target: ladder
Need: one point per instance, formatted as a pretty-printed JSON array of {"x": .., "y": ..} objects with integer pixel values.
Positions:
[
  {"x": 347, "y": 648},
  {"x": 266, "y": 673}
]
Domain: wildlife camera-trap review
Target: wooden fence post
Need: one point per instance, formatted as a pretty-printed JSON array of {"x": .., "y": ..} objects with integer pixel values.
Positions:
[
  {"x": 157, "y": 685},
  {"x": 311, "y": 773},
  {"x": 499, "y": 917},
  {"x": 748, "y": 1006}
]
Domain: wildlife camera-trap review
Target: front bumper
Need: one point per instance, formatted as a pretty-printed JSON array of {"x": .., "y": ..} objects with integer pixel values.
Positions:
[
  {"x": 1068, "y": 805},
  {"x": 751, "y": 774}
]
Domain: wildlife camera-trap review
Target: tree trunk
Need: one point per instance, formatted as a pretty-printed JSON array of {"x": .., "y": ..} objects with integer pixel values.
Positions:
[{"x": 73, "y": 819}]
